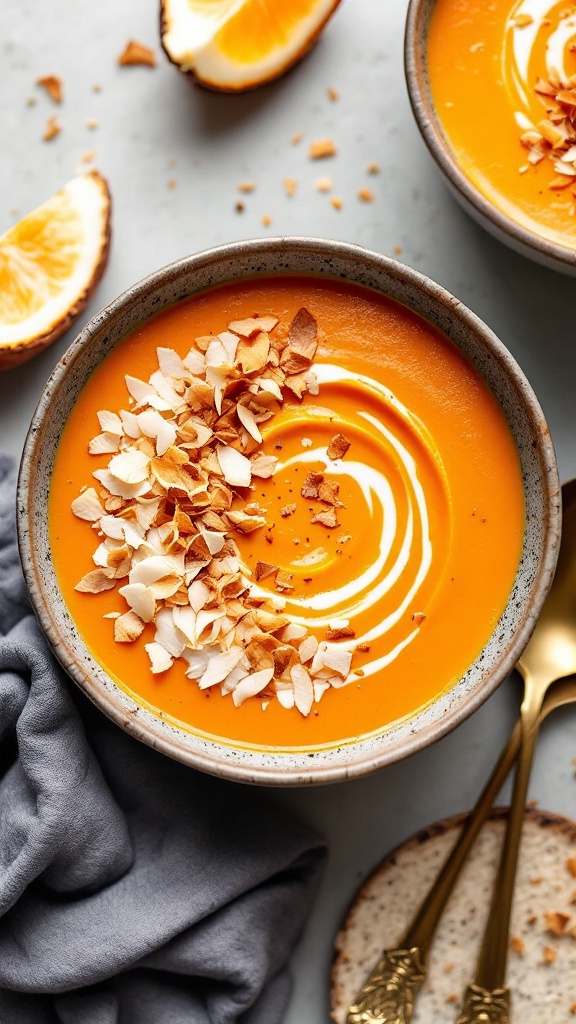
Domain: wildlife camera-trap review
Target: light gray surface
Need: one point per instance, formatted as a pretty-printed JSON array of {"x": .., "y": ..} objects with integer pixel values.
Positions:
[{"x": 149, "y": 117}]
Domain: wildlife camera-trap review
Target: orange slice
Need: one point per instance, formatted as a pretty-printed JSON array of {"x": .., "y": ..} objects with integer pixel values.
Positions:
[
  {"x": 50, "y": 263},
  {"x": 233, "y": 45}
]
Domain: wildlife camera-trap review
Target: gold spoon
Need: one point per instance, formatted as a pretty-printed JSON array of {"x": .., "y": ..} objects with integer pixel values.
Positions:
[
  {"x": 550, "y": 653},
  {"x": 389, "y": 993}
]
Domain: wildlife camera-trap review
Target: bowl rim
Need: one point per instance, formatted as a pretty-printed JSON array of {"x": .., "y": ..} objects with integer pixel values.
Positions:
[
  {"x": 265, "y": 768},
  {"x": 530, "y": 244}
]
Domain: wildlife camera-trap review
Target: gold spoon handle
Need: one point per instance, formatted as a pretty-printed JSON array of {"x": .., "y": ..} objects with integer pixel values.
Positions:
[
  {"x": 389, "y": 994},
  {"x": 487, "y": 999}
]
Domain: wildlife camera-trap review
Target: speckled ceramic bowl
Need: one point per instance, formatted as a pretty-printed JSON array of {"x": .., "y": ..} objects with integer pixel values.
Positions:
[
  {"x": 350, "y": 263},
  {"x": 523, "y": 240}
]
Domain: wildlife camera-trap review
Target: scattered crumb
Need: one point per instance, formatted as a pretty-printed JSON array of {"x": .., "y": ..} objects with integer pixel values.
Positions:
[
  {"x": 332, "y": 93},
  {"x": 549, "y": 955},
  {"x": 521, "y": 20},
  {"x": 296, "y": 138},
  {"x": 137, "y": 53},
  {"x": 171, "y": 183},
  {"x": 53, "y": 86},
  {"x": 517, "y": 945},
  {"x": 290, "y": 186},
  {"x": 89, "y": 156},
  {"x": 418, "y": 618},
  {"x": 171, "y": 162},
  {"x": 336, "y": 202},
  {"x": 323, "y": 184},
  {"x": 31, "y": 101},
  {"x": 287, "y": 510},
  {"x": 53, "y": 128},
  {"x": 91, "y": 122},
  {"x": 556, "y": 922},
  {"x": 365, "y": 195},
  {"x": 97, "y": 87},
  {"x": 321, "y": 148},
  {"x": 246, "y": 186},
  {"x": 397, "y": 250},
  {"x": 239, "y": 207},
  {"x": 373, "y": 168},
  {"x": 266, "y": 221}
]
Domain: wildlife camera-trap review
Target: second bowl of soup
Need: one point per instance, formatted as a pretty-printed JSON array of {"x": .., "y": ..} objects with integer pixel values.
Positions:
[
  {"x": 301, "y": 511},
  {"x": 493, "y": 89}
]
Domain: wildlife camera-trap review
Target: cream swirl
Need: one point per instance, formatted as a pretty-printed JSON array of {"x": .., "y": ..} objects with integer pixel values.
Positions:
[
  {"x": 517, "y": 59},
  {"x": 391, "y": 462}
]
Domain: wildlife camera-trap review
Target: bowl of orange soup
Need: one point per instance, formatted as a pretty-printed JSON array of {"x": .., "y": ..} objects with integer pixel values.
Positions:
[
  {"x": 493, "y": 90},
  {"x": 288, "y": 511}
]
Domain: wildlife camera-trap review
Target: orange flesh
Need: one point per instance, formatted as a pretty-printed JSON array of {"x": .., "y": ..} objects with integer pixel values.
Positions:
[
  {"x": 466, "y": 462},
  {"x": 477, "y": 92},
  {"x": 257, "y": 29}
]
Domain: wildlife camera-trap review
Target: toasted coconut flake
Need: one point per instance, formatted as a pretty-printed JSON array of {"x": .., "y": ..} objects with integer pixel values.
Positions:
[
  {"x": 88, "y": 506},
  {"x": 153, "y": 425},
  {"x": 96, "y": 581},
  {"x": 160, "y": 660},
  {"x": 127, "y": 628},
  {"x": 251, "y": 685},
  {"x": 308, "y": 648},
  {"x": 219, "y": 666},
  {"x": 332, "y": 657},
  {"x": 253, "y": 325},
  {"x": 131, "y": 467},
  {"x": 137, "y": 53},
  {"x": 246, "y": 417},
  {"x": 236, "y": 468},
  {"x": 252, "y": 355},
  {"x": 104, "y": 444},
  {"x": 340, "y": 633},
  {"x": 141, "y": 600},
  {"x": 303, "y": 691},
  {"x": 264, "y": 569},
  {"x": 327, "y": 518},
  {"x": 338, "y": 447},
  {"x": 110, "y": 422},
  {"x": 263, "y": 466}
]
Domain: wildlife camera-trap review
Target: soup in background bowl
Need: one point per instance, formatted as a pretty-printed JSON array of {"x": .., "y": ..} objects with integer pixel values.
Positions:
[
  {"x": 493, "y": 90},
  {"x": 288, "y": 511}
]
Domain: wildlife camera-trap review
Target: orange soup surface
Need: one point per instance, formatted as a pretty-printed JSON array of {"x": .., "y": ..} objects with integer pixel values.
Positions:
[
  {"x": 500, "y": 75},
  {"x": 386, "y": 537}
]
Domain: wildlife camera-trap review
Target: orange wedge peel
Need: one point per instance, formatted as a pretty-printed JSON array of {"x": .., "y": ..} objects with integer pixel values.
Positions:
[
  {"x": 235, "y": 45},
  {"x": 50, "y": 263}
]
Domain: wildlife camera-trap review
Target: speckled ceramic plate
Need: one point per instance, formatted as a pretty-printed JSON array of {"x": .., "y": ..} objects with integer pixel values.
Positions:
[
  {"x": 542, "y": 965},
  {"x": 543, "y": 507}
]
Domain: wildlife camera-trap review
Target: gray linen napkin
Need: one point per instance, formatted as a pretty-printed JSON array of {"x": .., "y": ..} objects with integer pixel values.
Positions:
[{"x": 133, "y": 890}]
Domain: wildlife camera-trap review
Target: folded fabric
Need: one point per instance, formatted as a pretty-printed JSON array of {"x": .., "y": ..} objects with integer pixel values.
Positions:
[{"x": 133, "y": 890}]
